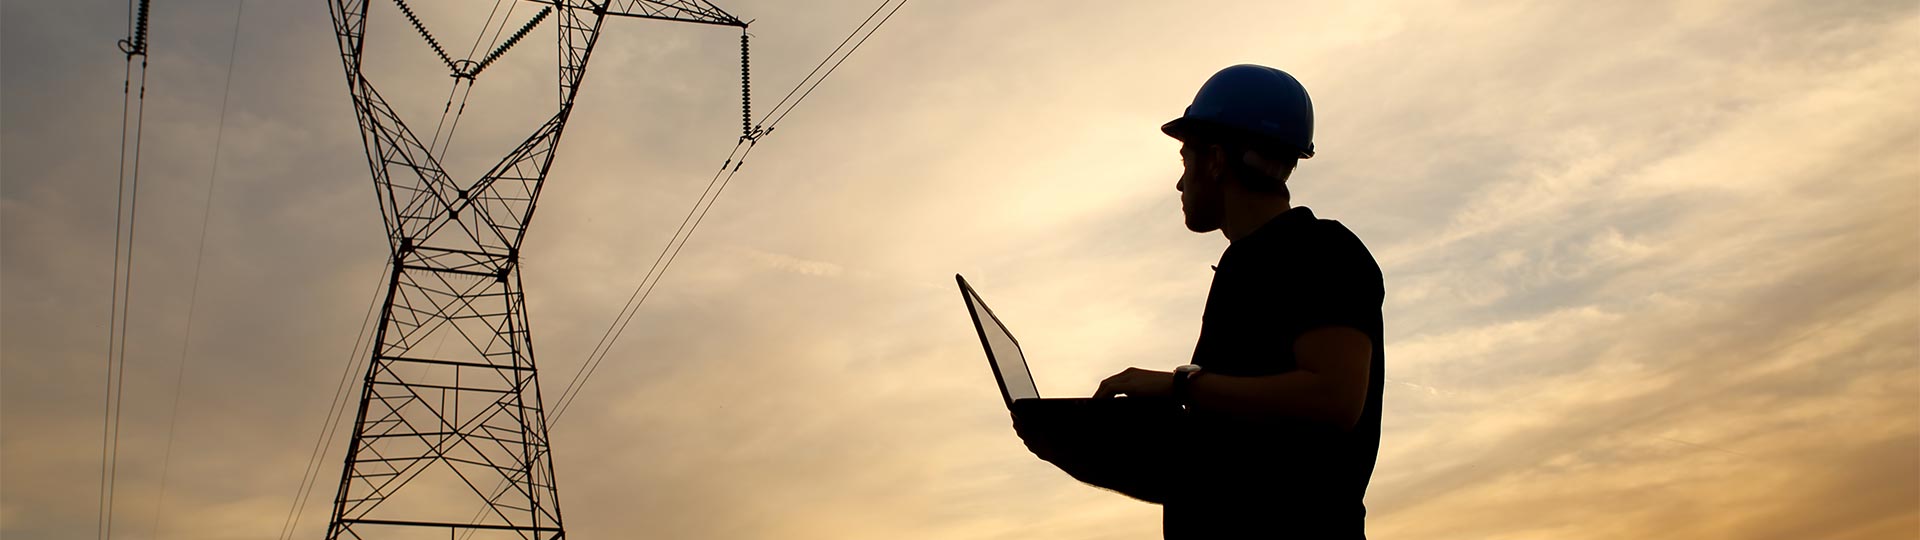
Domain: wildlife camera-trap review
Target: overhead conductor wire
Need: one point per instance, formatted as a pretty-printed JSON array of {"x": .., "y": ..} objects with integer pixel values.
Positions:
[
  {"x": 186, "y": 340},
  {"x": 127, "y": 198},
  {"x": 718, "y": 184},
  {"x": 698, "y": 213},
  {"x": 335, "y": 412}
]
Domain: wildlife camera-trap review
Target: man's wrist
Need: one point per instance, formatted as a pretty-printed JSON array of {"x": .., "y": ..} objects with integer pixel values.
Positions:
[{"x": 1183, "y": 384}]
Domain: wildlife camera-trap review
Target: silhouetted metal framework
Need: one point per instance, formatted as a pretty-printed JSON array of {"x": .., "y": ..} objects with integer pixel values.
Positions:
[{"x": 450, "y": 412}]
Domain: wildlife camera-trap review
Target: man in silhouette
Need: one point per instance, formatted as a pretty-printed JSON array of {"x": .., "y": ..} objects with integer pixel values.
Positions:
[{"x": 1278, "y": 420}]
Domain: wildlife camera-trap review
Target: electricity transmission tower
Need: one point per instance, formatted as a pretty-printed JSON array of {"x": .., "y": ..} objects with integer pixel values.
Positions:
[{"x": 450, "y": 416}]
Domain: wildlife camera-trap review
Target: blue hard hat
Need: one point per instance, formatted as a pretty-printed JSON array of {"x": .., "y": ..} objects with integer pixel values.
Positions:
[{"x": 1250, "y": 101}]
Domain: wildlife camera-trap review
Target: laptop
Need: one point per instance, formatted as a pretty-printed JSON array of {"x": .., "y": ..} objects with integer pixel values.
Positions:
[{"x": 1016, "y": 382}]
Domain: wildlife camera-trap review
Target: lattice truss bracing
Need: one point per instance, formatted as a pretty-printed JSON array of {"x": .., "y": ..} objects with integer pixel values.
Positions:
[{"x": 450, "y": 417}]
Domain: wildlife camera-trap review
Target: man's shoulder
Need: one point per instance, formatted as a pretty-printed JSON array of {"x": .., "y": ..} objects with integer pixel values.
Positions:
[
  {"x": 1333, "y": 233},
  {"x": 1341, "y": 255},
  {"x": 1306, "y": 246},
  {"x": 1335, "y": 239}
]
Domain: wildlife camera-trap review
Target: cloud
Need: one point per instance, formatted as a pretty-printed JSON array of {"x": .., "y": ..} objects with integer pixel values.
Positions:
[
  {"x": 788, "y": 263},
  {"x": 1651, "y": 269}
]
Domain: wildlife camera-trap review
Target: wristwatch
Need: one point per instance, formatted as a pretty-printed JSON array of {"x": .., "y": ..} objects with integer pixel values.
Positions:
[{"x": 1183, "y": 384}]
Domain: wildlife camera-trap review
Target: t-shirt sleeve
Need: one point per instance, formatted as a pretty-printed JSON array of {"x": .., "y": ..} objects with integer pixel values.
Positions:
[{"x": 1342, "y": 285}]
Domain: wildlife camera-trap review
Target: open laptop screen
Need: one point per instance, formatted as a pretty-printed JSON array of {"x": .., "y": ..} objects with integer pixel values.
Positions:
[{"x": 1003, "y": 350}]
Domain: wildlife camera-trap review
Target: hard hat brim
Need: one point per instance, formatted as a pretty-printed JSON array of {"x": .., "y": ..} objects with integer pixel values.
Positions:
[
  {"x": 1175, "y": 128},
  {"x": 1180, "y": 128}
]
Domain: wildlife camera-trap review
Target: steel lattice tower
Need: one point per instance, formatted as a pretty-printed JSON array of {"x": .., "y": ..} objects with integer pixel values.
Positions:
[{"x": 450, "y": 415}]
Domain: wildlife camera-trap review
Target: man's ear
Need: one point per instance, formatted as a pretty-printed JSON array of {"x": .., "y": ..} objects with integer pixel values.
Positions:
[
  {"x": 1273, "y": 169},
  {"x": 1216, "y": 158}
]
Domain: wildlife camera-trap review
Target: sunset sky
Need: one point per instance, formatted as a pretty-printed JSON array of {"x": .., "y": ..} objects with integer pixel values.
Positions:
[{"x": 1652, "y": 268}]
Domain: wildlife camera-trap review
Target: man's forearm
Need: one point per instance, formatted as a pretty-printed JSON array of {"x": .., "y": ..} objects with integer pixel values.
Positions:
[
  {"x": 1132, "y": 462},
  {"x": 1142, "y": 481},
  {"x": 1295, "y": 394},
  {"x": 1328, "y": 386}
]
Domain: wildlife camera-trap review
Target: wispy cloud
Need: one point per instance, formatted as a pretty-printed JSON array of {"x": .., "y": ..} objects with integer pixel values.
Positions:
[
  {"x": 1653, "y": 270},
  {"x": 789, "y": 263}
]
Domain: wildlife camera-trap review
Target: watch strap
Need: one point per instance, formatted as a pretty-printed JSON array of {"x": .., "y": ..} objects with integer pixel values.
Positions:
[{"x": 1183, "y": 385}]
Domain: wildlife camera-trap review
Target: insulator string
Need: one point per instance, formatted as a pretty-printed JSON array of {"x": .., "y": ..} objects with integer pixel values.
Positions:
[
  {"x": 746, "y": 90},
  {"x": 502, "y": 49},
  {"x": 422, "y": 29}
]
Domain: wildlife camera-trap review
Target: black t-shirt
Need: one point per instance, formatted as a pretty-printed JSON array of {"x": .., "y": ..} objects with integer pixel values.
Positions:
[{"x": 1241, "y": 479}]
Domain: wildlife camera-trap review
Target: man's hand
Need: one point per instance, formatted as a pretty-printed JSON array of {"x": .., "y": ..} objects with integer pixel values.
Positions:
[
  {"x": 1136, "y": 382},
  {"x": 1038, "y": 441},
  {"x": 1130, "y": 467}
]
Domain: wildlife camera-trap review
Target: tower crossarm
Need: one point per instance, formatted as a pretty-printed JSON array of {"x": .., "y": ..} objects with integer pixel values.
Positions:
[{"x": 666, "y": 10}]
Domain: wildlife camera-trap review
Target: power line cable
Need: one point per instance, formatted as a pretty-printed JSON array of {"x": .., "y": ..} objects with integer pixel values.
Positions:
[
  {"x": 567, "y": 400},
  {"x": 505, "y": 20},
  {"x": 113, "y": 313},
  {"x": 336, "y": 409},
  {"x": 634, "y": 300},
  {"x": 703, "y": 205},
  {"x": 823, "y": 61},
  {"x": 473, "y": 69},
  {"x": 447, "y": 110},
  {"x": 626, "y": 312},
  {"x": 489, "y": 24},
  {"x": 836, "y": 65},
  {"x": 186, "y": 340},
  {"x": 698, "y": 213},
  {"x": 134, "y": 45},
  {"x": 126, "y": 303},
  {"x": 448, "y": 144}
]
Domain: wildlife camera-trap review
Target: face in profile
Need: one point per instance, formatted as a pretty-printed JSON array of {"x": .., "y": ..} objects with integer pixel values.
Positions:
[{"x": 1200, "y": 197}]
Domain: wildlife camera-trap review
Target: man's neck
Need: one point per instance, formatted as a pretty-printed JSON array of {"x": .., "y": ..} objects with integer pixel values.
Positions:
[{"x": 1248, "y": 214}]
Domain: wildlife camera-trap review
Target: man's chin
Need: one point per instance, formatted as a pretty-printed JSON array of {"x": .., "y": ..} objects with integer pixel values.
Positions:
[{"x": 1202, "y": 226}]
